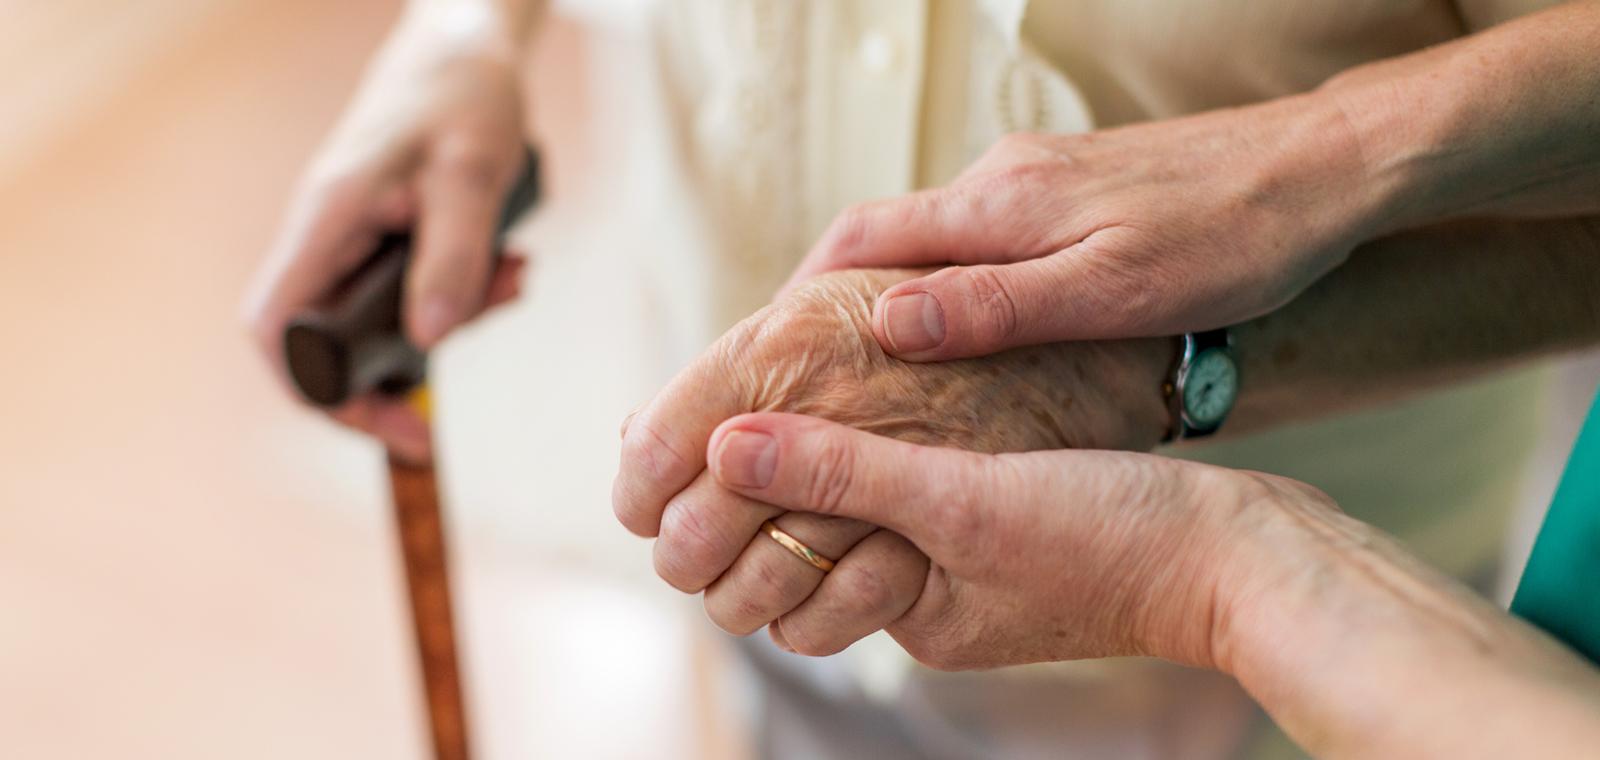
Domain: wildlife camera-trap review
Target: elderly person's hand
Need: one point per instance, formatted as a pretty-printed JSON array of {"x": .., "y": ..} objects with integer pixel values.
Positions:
[
  {"x": 1357, "y": 649},
  {"x": 812, "y": 352},
  {"x": 431, "y": 142},
  {"x": 1204, "y": 221}
]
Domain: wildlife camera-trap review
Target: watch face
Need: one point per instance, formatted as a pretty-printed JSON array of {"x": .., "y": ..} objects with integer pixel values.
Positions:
[{"x": 1209, "y": 388}]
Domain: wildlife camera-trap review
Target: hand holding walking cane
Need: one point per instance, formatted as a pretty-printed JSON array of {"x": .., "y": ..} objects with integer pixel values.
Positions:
[{"x": 349, "y": 343}]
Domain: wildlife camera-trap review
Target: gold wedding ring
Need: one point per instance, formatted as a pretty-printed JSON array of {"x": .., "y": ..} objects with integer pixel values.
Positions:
[{"x": 796, "y": 547}]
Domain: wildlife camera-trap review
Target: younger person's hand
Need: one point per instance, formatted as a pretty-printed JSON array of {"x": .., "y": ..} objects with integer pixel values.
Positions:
[
  {"x": 1152, "y": 229},
  {"x": 1352, "y": 645},
  {"x": 1042, "y": 556}
]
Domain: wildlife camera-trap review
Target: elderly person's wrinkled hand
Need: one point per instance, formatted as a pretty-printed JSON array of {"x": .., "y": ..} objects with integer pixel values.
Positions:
[
  {"x": 812, "y": 352},
  {"x": 431, "y": 143}
]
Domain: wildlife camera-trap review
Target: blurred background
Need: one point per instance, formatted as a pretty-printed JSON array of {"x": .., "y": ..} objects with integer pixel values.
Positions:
[{"x": 193, "y": 567}]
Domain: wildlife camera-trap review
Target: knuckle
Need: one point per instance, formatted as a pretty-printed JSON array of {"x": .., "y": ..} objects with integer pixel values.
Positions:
[
  {"x": 867, "y": 592},
  {"x": 994, "y": 305},
  {"x": 832, "y": 476},
  {"x": 807, "y": 639},
  {"x": 803, "y": 638},
  {"x": 1017, "y": 174},
  {"x": 719, "y": 617},
  {"x": 626, "y": 506},
  {"x": 745, "y": 343},
  {"x": 1123, "y": 285},
  {"x": 686, "y": 548},
  {"x": 742, "y": 608},
  {"x": 622, "y": 501},
  {"x": 848, "y": 232},
  {"x": 748, "y": 615},
  {"x": 1037, "y": 148},
  {"x": 644, "y": 446},
  {"x": 1011, "y": 143},
  {"x": 741, "y": 617},
  {"x": 786, "y": 580}
]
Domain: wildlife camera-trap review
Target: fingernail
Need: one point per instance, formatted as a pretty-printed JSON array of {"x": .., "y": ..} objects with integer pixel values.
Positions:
[
  {"x": 437, "y": 317},
  {"x": 913, "y": 322},
  {"x": 747, "y": 459}
]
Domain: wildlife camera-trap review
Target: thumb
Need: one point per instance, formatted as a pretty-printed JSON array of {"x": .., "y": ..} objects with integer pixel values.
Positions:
[
  {"x": 803, "y": 463},
  {"x": 961, "y": 312}
]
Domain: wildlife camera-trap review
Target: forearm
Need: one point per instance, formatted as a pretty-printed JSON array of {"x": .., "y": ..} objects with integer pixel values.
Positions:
[
  {"x": 1501, "y": 122},
  {"x": 1418, "y": 310},
  {"x": 1359, "y": 650}
]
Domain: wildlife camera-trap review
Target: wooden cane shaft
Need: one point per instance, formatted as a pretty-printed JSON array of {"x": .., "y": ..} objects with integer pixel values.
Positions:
[{"x": 422, "y": 544}]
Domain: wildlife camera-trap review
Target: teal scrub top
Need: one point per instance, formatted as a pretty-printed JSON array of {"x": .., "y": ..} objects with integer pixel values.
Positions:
[{"x": 1560, "y": 589}]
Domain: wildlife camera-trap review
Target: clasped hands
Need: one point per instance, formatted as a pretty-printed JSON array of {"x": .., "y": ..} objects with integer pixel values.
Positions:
[
  {"x": 968, "y": 558},
  {"x": 905, "y": 400}
]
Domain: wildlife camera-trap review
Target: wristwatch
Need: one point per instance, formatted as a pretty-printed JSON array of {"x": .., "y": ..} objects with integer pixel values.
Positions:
[{"x": 1203, "y": 386}]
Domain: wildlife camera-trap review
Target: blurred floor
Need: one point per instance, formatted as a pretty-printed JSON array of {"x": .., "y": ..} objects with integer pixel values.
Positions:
[{"x": 190, "y": 566}]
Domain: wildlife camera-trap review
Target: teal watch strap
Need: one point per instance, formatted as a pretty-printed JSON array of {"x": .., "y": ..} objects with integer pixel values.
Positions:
[{"x": 1560, "y": 589}]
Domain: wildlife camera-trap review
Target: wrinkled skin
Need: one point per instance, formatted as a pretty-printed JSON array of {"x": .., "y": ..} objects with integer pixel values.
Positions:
[
  {"x": 813, "y": 353},
  {"x": 1354, "y": 646},
  {"x": 430, "y": 144},
  {"x": 1036, "y": 557}
]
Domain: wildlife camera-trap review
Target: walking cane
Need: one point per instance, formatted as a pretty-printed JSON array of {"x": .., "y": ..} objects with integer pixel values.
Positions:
[{"x": 349, "y": 343}]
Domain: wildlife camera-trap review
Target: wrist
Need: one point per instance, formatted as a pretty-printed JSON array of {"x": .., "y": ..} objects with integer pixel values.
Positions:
[
  {"x": 1400, "y": 128},
  {"x": 1356, "y": 648},
  {"x": 1295, "y": 617},
  {"x": 1212, "y": 594},
  {"x": 1322, "y": 169},
  {"x": 1487, "y": 124},
  {"x": 1278, "y": 548}
]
